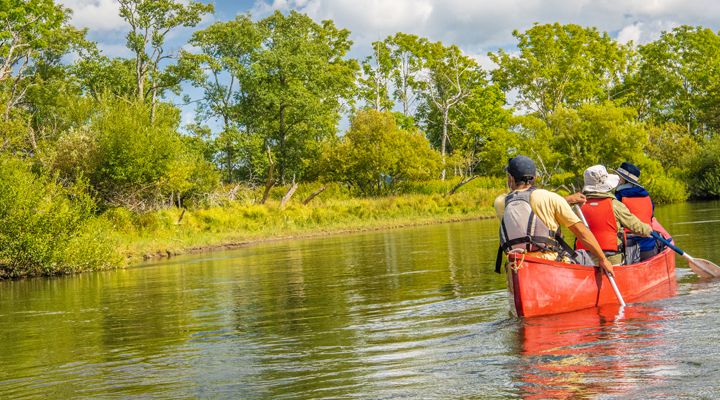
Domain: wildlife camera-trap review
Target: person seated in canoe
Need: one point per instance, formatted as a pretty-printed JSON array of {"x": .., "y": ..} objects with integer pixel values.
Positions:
[
  {"x": 606, "y": 216},
  {"x": 531, "y": 220},
  {"x": 638, "y": 201}
]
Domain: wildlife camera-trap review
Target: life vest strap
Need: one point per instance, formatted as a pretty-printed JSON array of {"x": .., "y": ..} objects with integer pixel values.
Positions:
[{"x": 546, "y": 244}]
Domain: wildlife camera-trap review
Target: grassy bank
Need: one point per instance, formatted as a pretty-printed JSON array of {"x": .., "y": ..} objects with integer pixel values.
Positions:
[
  {"x": 50, "y": 231},
  {"x": 164, "y": 233}
]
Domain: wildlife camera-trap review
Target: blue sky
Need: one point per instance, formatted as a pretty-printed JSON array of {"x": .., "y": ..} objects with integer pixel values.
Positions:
[{"x": 476, "y": 26}]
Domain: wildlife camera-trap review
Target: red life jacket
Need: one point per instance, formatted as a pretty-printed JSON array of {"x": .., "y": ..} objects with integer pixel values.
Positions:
[
  {"x": 641, "y": 207},
  {"x": 601, "y": 221}
]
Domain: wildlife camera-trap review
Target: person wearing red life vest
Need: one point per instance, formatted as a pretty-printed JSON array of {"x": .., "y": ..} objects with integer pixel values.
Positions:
[
  {"x": 607, "y": 217},
  {"x": 638, "y": 201}
]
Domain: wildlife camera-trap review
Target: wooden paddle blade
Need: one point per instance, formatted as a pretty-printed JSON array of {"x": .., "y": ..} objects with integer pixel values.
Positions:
[{"x": 704, "y": 268}]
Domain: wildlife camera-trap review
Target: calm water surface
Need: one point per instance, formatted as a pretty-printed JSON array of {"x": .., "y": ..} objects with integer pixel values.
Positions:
[{"x": 414, "y": 313}]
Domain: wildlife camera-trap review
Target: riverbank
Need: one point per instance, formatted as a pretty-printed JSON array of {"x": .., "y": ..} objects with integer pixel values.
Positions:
[
  {"x": 172, "y": 232},
  {"x": 228, "y": 217}
]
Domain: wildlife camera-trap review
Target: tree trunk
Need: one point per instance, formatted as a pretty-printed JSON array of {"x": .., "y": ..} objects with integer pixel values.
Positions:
[
  {"x": 444, "y": 138},
  {"x": 289, "y": 193},
  {"x": 312, "y": 196},
  {"x": 140, "y": 77},
  {"x": 406, "y": 100},
  {"x": 282, "y": 145},
  {"x": 377, "y": 92},
  {"x": 228, "y": 150},
  {"x": 229, "y": 162},
  {"x": 270, "y": 182},
  {"x": 152, "y": 106},
  {"x": 459, "y": 185},
  {"x": 377, "y": 77}
]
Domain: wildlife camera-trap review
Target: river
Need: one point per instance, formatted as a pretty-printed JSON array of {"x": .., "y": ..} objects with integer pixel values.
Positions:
[{"x": 405, "y": 313}]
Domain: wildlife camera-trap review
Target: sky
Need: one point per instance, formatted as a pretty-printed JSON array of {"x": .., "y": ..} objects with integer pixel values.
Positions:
[{"x": 476, "y": 26}]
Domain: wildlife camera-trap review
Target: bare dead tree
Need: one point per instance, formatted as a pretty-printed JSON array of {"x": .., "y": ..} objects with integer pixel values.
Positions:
[
  {"x": 545, "y": 174},
  {"x": 289, "y": 193},
  {"x": 270, "y": 181},
  {"x": 459, "y": 185},
  {"x": 181, "y": 217},
  {"x": 454, "y": 77},
  {"x": 312, "y": 196}
]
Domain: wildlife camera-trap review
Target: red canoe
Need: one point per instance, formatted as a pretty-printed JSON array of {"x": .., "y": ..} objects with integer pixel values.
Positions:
[{"x": 541, "y": 287}]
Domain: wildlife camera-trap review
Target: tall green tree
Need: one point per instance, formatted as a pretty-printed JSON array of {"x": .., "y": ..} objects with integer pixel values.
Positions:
[
  {"x": 676, "y": 81},
  {"x": 597, "y": 134},
  {"x": 150, "y": 22},
  {"x": 35, "y": 34},
  {"x": 408, "y": 54},
  {"x": 100, "y": 75},
  {"x": 562, "y": 66},
  {"x": 482, "y": 119},
  {"x": 227, "y": 53},
  {"x": 374, "y": 84},
  {"x": 298, "y": 82},
  {"x": 374, "y": 156},
  {"x": 448, "y": 82}
]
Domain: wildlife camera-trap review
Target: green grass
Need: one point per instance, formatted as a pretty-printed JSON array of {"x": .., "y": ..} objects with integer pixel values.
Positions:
[{"x": 156, "y": 234}]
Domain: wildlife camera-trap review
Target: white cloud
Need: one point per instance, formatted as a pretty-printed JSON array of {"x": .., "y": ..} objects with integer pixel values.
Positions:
[
  {"x": 486, "y": 24},
  {"x": 100, "y": 15},
  {"x": 192, "y": 49},
  {"x": 483, "y": 60},
  {"x": 188, "y": 118},
  {"x": 630, "y": 33}
]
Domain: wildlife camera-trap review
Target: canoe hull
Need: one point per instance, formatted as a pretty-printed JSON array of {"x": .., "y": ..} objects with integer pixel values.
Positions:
[{"x": 541, "y": 287}]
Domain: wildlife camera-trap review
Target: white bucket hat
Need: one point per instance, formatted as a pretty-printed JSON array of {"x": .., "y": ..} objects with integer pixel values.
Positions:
[{"x": 597, "y": 179}]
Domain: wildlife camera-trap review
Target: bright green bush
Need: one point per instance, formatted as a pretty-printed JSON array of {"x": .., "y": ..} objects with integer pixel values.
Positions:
[
  {"x": 662, "y": 187},
  {"x": 593, "y": 134},
  {"x": 47, "y": 227},
  {"x": 703, "y": 175},
  {"x": 375, "y": 156},
  {"x": 127, "y": 158}
]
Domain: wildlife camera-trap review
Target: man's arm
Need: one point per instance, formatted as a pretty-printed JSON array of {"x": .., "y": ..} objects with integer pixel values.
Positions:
[
  {"x": 586, "y": 237},
  {"x": 499, "y": 205},
  {"x": 577, "y": 198}
]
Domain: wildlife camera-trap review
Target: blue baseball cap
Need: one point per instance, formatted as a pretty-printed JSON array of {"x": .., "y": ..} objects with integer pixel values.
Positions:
[{"x": 520, "y": 167}]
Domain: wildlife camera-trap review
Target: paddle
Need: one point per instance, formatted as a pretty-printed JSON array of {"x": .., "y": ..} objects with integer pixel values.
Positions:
[
  {"x": 704, "y": 268},
  {"x": 610, "y": 277}
]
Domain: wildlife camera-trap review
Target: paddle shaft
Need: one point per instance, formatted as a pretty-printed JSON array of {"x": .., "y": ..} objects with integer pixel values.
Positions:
[
  {"x": 668, "y": 244},
  {"x": 610, "y": 277},
  {"x": 685, "y": 255},
  {"x": 703, "y": 268}
]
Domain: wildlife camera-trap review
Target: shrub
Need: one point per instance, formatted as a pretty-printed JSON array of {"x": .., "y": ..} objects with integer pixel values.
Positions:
[
  {"x": 662, "y": 187},
  {"x": 375, "y": 156},
  {"x": 703, "y": 175},
  {"x": 128, "y": 159},
  {"x": 48, "y": 227},
  {"x": 594, "y": 134}
]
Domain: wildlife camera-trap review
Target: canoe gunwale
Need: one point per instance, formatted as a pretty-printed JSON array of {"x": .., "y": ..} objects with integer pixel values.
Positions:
[{"x": 618, "y": 268}]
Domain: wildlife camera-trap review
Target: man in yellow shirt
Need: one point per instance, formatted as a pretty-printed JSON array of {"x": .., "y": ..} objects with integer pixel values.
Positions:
[{"x": 531, "y": 218}]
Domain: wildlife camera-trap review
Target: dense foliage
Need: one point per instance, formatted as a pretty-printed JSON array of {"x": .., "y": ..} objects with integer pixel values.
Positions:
[
  {"x": 98, "y": 137},
  {"x": 47, "y": 225},
  {"x": 375, "y": 156}
]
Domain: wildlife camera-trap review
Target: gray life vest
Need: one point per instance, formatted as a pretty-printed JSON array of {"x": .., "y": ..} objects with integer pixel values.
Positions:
[{"x": 520, "y": 228}]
